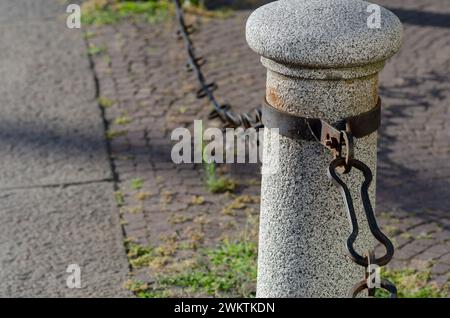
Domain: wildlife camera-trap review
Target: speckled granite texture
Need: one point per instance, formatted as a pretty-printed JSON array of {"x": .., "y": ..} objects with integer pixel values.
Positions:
[{"x": 322, "y": 61}]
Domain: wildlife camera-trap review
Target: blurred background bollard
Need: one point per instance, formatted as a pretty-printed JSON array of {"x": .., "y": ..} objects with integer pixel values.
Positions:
[{"x": 322, "y": 58}]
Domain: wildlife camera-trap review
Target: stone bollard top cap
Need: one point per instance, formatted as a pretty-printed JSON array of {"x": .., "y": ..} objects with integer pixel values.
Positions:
[{"x": 324, "y": 33}]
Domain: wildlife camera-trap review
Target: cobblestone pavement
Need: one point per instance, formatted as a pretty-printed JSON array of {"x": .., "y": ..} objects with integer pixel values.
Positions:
[
  {"x": 141, "y": 72},
  {"x": 56, "y": 187}
]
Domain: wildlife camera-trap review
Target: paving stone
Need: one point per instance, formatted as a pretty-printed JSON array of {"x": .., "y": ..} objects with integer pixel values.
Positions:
[
  {"x": 440, "y": 268},
  {"x": 441, "y": 280},
  {"x": 413, "y": 182},
  {"x": 412, "y": 249},
  {"x": 424, "y": 230},
  {"x": 434, "y": 252},
  {"x": 445, "y": 259}
]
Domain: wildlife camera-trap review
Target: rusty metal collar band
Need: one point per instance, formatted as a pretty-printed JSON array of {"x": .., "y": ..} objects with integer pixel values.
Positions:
[{"x": 315, "y": 129}]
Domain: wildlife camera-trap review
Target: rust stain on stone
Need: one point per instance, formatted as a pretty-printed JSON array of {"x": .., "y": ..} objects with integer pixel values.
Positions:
[
  {"x": 349, "y": 81},
  {"x": 375, "y": 90},
  {"x": 273, "y": 98}
]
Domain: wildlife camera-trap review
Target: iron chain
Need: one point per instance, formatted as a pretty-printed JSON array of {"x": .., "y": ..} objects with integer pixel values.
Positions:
[
  {"x": 194, "y": 64},
  {"x": 368, "y": 260}
]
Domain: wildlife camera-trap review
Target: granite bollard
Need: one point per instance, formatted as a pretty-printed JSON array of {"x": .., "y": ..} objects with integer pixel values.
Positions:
[{"x": 322, "y": 58}]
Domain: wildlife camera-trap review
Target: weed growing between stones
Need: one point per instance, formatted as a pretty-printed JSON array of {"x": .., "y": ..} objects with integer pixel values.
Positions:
[
  {"x": 96, "y": 50},
  {"x": 217, "y": 184},
  {"x": 111, "y": 134},
  {"x": 105, "y": 102},
  {"x": 100, "y": 12},
  {"x": 139, "y": 255},
  {"x": 228, "y": 270},
  {"x": 239, "y": 203},
  {"x": 143, "y": 195},
  {"x": 137, "y": 183},
  {"x": 122, "y": 120},
  {"x": 197, "y": 200},
  {"x": 413, "y": 284},
  {"x": 120, "y": 199}
]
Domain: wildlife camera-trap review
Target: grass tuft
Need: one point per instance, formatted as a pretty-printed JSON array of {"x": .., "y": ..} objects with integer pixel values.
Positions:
[
  {"x": 217, "y": 184},
  {"x": 101, "y": 12},
  {"x": 122, "y": 120},
  {"x": 96, "y": 50},
  {"x": 412, "y": 284},
  {"x": 137, "y": 184},
  {"x": 105, "y": 102},
  {"x": 139, "y": 255},
  {"x": 229, "y": 269}
]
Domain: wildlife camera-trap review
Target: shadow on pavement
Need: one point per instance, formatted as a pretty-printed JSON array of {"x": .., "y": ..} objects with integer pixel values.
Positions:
[
  {"x": 422, "y": 18},
  {"x": 236, "y": 4},
  {"x": 407, "y": 16},
  {"x": 409, "y": 175}
]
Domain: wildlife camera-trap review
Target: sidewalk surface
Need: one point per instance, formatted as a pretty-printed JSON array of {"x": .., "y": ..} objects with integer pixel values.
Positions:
[
  {"x": 56, "y": 192},
  {"x": 58, "y": 179}
]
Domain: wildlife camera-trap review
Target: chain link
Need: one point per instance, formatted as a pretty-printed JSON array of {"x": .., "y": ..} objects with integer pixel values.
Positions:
[
  {"x": 368, "y": 260},
  {"x": 194, "y": 64}
]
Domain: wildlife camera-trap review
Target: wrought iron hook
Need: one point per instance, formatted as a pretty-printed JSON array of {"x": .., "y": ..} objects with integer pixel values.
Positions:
[{"x": 373, "y": 226}]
